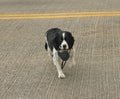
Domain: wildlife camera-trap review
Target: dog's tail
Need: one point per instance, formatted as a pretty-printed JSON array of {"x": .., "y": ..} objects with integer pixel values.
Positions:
[{"x": 46, "y": 46}]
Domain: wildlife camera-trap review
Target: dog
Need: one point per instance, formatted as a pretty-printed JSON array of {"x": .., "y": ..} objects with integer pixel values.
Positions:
[{"x": 60, "y": 45}]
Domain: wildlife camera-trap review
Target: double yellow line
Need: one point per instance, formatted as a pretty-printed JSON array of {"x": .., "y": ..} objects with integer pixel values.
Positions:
[{"x": 58, "y": 15}]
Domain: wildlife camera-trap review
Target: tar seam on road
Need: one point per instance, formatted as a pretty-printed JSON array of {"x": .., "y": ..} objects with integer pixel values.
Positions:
[{"x": 58, "y": 15}]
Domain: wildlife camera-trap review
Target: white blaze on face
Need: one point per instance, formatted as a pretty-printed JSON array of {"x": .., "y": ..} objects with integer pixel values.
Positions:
[
  {"x": 64, "y": 44},
  {"x": 63, "y": 36}
]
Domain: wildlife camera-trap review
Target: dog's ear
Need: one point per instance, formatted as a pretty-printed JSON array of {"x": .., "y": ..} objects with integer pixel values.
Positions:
[{"x": 70, "y": 39}]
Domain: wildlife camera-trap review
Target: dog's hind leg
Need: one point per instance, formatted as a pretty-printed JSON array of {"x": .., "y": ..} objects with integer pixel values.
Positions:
[{"x": 47, "y": 48}]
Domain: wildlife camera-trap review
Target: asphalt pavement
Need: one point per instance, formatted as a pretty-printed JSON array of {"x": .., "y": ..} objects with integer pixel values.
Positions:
[{"x": 26, "y": 70}]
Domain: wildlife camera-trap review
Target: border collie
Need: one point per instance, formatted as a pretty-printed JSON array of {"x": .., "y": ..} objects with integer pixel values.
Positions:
[{"x": 60, "y": 45}]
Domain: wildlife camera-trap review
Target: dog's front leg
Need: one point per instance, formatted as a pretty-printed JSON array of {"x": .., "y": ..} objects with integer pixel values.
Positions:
[{"x": 57, "y": 64}]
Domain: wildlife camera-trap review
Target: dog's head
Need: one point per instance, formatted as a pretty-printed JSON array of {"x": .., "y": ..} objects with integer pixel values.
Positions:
[{"x": 63, "y": 41}]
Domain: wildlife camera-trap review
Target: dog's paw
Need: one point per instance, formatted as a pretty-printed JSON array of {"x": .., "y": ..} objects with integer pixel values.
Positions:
[{"x": 61, "y": 75}]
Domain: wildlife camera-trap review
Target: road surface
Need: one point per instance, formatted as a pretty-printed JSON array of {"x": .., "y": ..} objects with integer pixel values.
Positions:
[{"x": 26, "y": 71}]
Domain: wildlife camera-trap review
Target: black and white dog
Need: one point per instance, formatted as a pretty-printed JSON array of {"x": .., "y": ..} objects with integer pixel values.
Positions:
[{"x": 59, "y": 45}]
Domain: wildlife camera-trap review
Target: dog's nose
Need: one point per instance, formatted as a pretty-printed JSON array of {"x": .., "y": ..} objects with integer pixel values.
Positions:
[{"x": 64, "y": 46}]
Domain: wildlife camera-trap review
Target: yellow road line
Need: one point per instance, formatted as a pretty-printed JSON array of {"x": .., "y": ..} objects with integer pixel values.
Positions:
[
  {"x": 67, "y": 13},
  {"x": 58, "y": 15}
]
